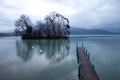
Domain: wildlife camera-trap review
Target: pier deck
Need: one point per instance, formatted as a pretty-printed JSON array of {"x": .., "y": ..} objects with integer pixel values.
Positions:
[{"x": 86, "y": 68}]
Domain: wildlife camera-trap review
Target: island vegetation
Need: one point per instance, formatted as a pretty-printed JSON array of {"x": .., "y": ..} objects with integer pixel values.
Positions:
[{"x": 54, "y": 26}]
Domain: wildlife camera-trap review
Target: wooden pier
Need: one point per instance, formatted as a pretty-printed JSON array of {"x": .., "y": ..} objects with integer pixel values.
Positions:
[{"x": 86, "y": 70}]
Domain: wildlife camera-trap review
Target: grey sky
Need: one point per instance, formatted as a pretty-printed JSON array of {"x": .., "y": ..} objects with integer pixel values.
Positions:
[{"x": 81, "y": 13}]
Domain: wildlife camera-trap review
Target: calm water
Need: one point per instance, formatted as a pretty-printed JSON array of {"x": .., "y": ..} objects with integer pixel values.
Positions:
[{"x": 56, "y": 59}]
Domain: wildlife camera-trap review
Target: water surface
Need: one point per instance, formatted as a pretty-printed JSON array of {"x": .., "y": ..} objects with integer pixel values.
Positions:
[{"x": 56, "y": 59}]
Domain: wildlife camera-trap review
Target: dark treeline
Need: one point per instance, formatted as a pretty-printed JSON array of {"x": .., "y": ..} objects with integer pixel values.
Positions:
[
  {"x": 54, "y": 26},
  {"x": 6, "y": 34}
]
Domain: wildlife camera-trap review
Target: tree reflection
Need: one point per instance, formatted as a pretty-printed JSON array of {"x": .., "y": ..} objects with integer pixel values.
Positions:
[
  {"x": 54, "y": 50},
  {"x": 23, "y": 50}
]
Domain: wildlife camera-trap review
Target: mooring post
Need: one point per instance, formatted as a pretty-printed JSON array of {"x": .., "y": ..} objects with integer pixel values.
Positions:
[
  {"x": 77, "y": 47},
  {"x": 82, "y": 45},
  {"x": 89, "y": 55},
  {"x": 77, "y": 52},
  {"x": 93, "y": 66},
  {"x": 79, "y": 66},
  {"x": 86, "y": 51}
]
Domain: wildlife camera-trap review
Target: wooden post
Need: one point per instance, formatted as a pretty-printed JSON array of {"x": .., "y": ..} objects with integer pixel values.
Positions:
[
  {"x": 82, "y": 45},
  {"x": 77, "y": 53},
  {"x": 89, "y": 55},
  {"x": 93, "y": 66},
  {"x": 86, "y": 51}
]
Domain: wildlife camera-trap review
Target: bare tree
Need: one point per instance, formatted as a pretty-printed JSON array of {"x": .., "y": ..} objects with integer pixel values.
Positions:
[
  {"x": 24, "y": 24},
  {"x": 59, "y": 24},
  {"x": 48, "y": 29}
]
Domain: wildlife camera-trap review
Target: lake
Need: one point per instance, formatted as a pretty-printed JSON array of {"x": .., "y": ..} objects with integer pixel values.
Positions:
[{"x": 56, "y": 59}]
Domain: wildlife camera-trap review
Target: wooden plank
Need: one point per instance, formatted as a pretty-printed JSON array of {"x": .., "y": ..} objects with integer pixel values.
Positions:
[{"x": 86, "y": 71}]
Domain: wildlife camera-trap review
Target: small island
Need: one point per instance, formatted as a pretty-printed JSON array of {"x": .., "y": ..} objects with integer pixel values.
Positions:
[{"x": 54, "y": 26}]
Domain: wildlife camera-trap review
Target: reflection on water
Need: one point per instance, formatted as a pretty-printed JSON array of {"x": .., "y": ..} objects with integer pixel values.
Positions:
[
  {"x": 37, "y": 60},
  {"x": 54, "y": 50},
  {"x": 56, "y": 59}
]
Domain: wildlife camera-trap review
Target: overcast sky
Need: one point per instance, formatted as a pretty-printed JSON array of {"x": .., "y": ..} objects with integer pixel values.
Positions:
[{"x": 81, "y": 13}]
